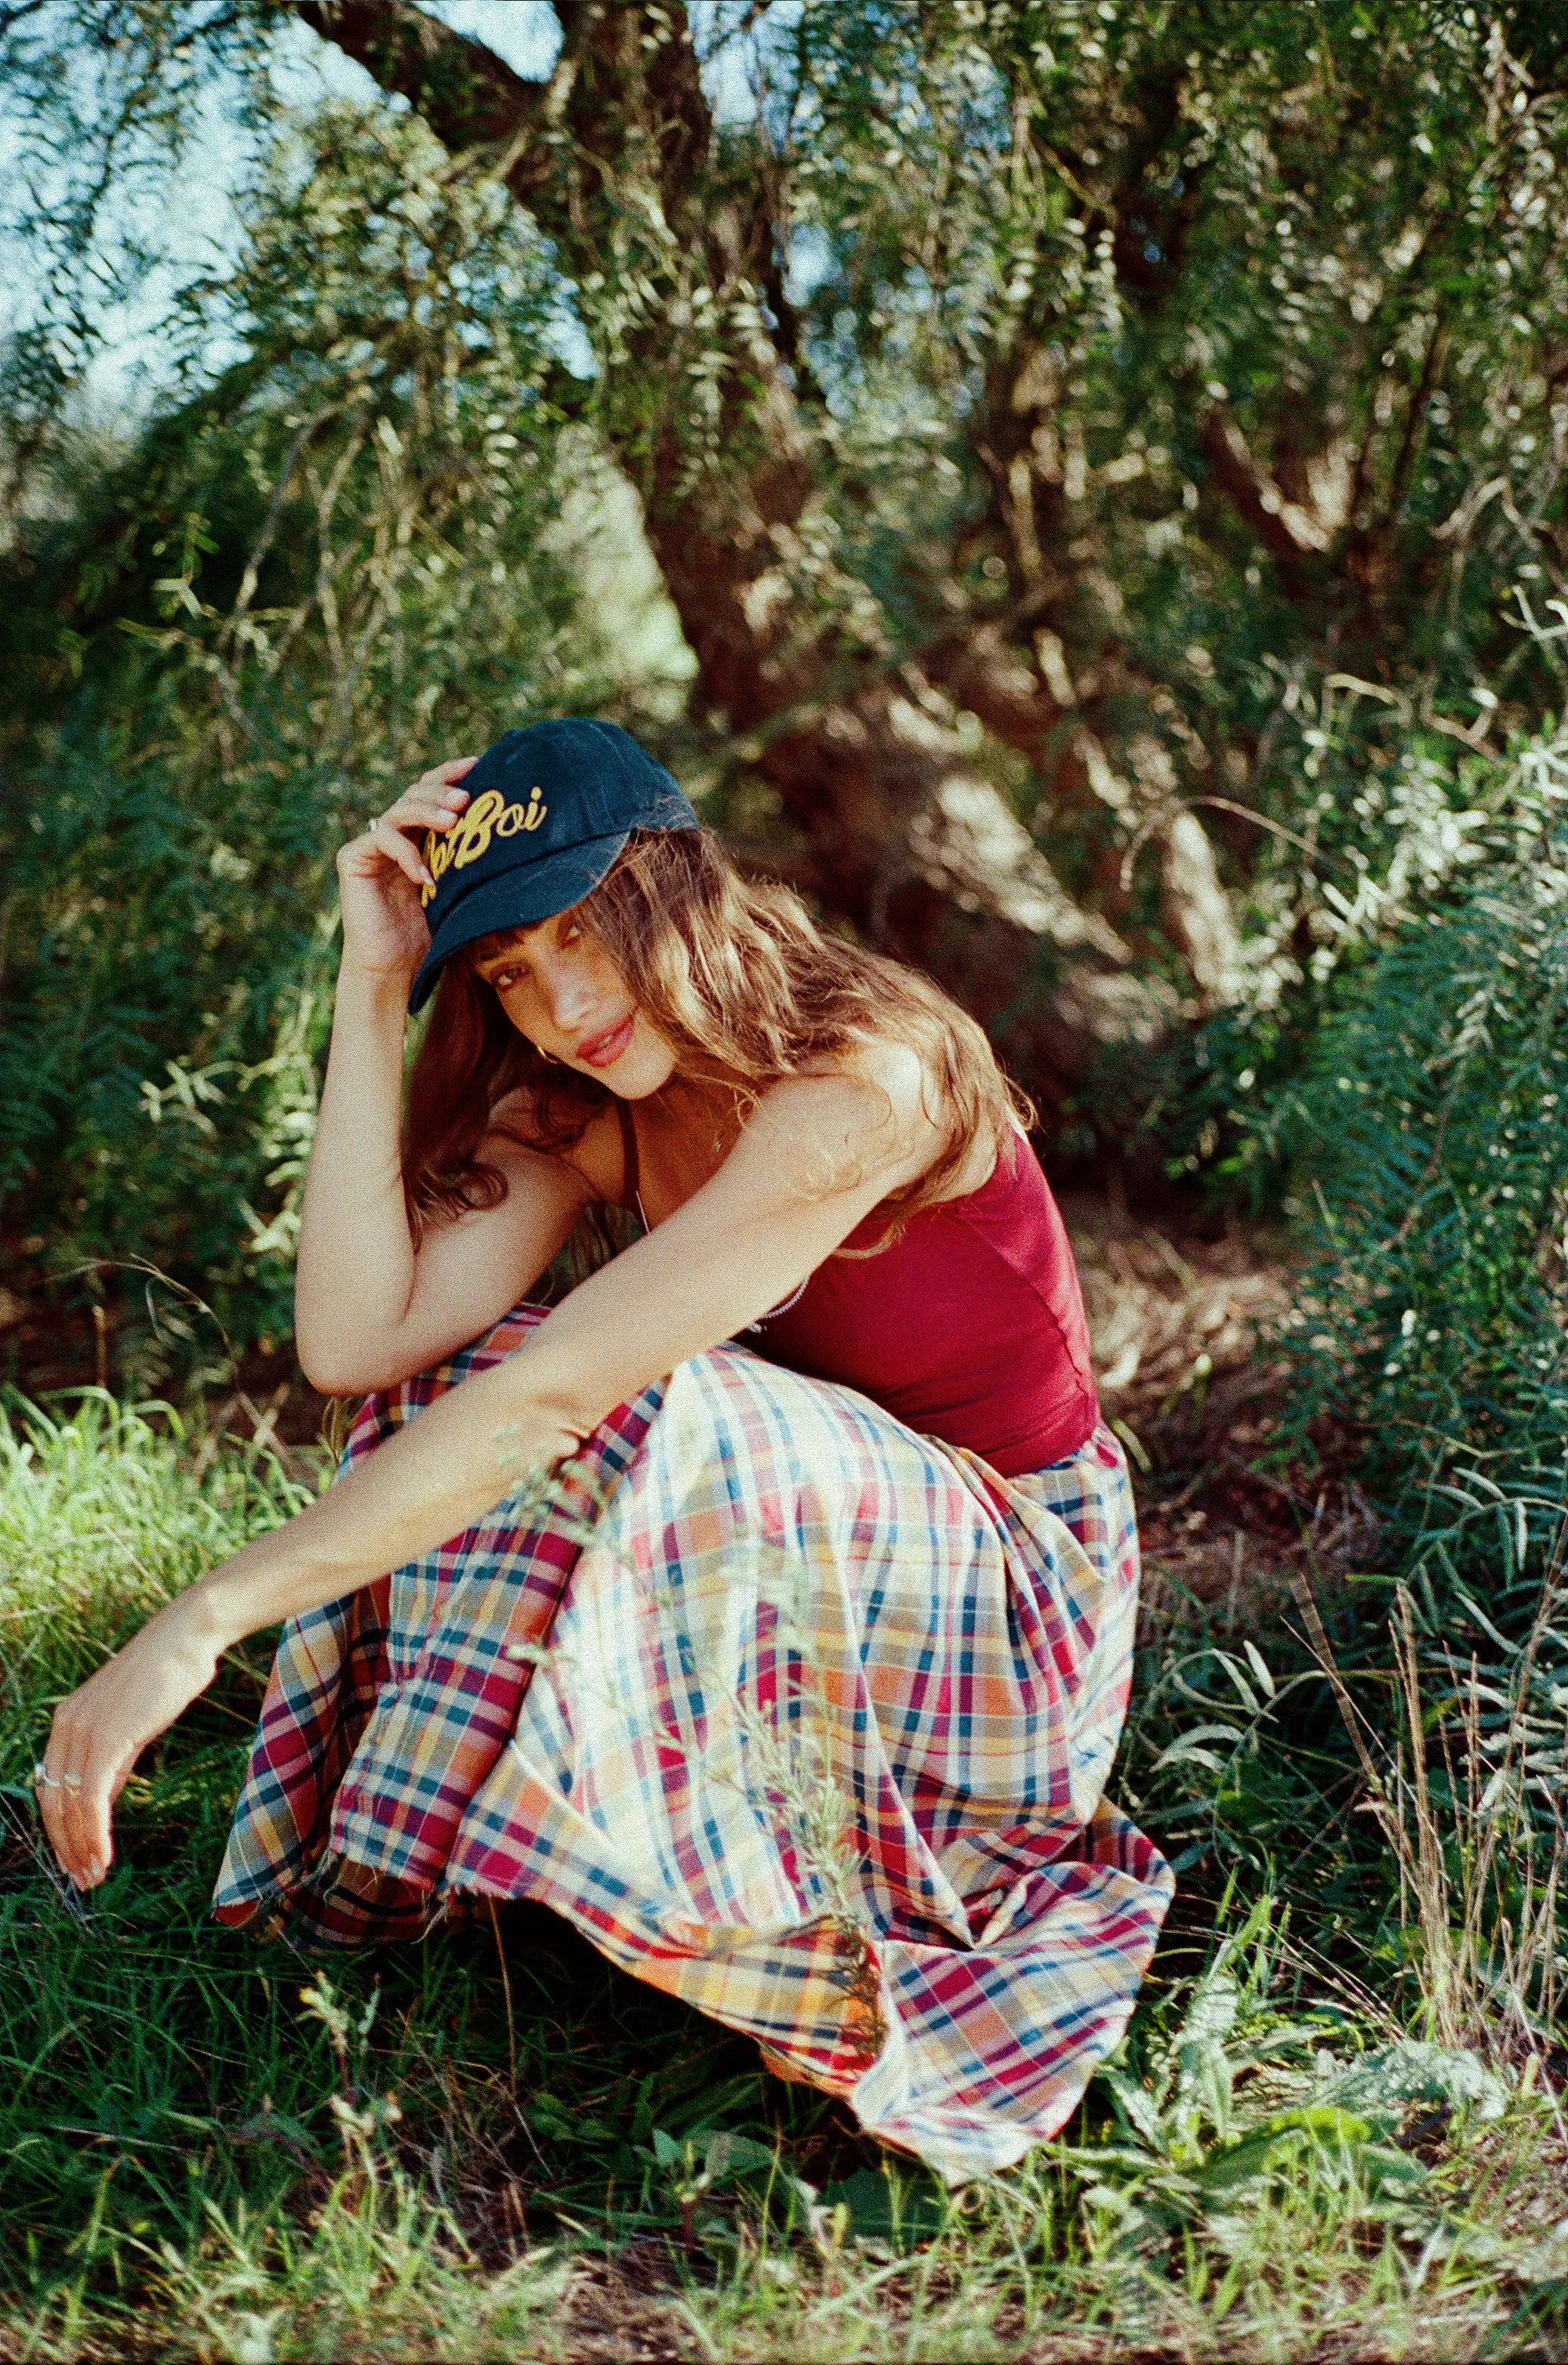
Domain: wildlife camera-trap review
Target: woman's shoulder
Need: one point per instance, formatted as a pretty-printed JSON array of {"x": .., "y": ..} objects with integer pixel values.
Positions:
[
  {"x": 920, "y": 1096},
  {"x": 595, "y": 1155},
  {"x": 898, "y": 1115},
  {"x": 892, "y": 1073},
  {"x": 874, "y": 1086}
]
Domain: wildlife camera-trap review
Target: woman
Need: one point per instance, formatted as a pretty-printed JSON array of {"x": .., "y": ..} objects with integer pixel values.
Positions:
[{"x": 766, "y": 1607}]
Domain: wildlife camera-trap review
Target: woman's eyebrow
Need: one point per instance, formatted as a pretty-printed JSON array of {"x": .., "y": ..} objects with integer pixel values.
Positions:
[{"x": 514, "y": 956}]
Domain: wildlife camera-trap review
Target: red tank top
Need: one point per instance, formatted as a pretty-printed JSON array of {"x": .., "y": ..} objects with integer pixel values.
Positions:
[{"x": 970, "y": 1327}]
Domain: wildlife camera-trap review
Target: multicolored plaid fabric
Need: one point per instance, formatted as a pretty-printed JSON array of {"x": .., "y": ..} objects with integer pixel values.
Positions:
[{"x": 796, "y": 1714}]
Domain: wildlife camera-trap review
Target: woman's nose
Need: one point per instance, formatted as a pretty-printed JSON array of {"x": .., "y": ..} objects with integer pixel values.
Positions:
[{"x": 569, "y": 997}]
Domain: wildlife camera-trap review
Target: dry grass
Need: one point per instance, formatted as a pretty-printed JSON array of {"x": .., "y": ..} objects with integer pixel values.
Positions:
[{"x": 1173, "y": 1316}]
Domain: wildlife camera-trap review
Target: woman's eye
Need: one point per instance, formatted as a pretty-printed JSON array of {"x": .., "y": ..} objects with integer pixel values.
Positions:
[
  {"x": 572, "y": 934},
  {"x": 504, "y": 980}
]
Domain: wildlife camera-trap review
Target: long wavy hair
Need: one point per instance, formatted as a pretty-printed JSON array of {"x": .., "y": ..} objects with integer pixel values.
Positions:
[{"x": 735, "y": 976}]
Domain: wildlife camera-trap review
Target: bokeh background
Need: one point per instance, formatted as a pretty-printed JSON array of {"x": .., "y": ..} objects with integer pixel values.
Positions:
[{"x": 1075, "y": 489}]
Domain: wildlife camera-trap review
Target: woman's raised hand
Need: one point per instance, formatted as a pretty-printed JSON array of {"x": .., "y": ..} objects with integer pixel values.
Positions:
[{"x": 381, "y": 873}]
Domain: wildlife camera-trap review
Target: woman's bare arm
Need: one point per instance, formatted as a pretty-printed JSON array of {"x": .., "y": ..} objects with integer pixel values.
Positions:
[
  {"x": 764, "y": 1221},
  {"x": 370, "y": 1306},
  {"x": 815, "y": 1156}
]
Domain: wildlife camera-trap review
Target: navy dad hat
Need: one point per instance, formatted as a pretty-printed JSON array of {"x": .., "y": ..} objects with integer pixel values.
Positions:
[{"x": 549, "y": 810}]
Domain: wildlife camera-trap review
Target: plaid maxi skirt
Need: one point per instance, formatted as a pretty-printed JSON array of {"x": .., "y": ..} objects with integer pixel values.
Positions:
[{"x": 796, "y": 1714}]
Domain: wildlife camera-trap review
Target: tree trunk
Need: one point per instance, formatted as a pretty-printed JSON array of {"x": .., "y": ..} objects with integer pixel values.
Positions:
[{"x": 906, "y": 838}]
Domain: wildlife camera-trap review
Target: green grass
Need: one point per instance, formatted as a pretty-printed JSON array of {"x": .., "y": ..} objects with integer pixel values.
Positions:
[{"x": 492, "y": 2145}]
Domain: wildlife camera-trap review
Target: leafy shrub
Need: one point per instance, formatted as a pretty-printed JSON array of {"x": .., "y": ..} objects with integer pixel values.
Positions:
[
  {"x": 229, "y": 646},
  {"x": 1394, "y": 1075},
  {"x": 1429, "y": 1141},
  {"x": 1387, "y": 813}
]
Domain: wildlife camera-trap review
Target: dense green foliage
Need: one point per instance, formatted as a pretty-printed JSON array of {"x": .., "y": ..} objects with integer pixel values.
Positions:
[
  {"x": 1164, "y": 385},
  {"x": 1406, "y": 1103},
  {"x": 233, "y": 646},
  {"x": 1433, "y": 1143},
  {"x": 1199, "y": 249}
]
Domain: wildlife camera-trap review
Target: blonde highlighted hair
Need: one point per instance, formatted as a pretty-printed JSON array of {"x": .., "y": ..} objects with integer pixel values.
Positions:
[{"x": 733, "y": 975}]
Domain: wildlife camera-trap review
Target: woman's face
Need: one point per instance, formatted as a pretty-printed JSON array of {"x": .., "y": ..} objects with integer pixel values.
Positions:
[{"x": 559, "y": 987}]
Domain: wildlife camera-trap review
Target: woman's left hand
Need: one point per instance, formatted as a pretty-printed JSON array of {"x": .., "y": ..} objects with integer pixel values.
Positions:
[{"x": 100, "y": 1730}]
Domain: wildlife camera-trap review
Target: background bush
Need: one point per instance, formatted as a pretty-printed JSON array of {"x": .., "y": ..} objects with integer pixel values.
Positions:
[
  {"x": 1149, "y": 420},
  {"x": 1432, "y": 1168},
  {"x": 1402, "y": 1102},
  {"x": 231, "y": 645}
]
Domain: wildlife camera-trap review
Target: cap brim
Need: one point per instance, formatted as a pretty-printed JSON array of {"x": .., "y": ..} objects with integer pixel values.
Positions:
[{"x": 518, "y": 899}]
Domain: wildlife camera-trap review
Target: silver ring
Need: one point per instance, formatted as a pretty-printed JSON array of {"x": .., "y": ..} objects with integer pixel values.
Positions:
[
  {"x": 43, "y": 1780},
  {"x": 70, "y": 1781}
]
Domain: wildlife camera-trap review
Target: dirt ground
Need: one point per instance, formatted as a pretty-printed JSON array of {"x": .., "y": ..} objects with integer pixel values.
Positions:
[{"x": 1180, "y": 1320}]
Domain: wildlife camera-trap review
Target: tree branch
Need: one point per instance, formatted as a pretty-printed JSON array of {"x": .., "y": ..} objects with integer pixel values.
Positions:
[
  {"x": 903, "y": 834},
  {"x": 468, "y": 95},
  {"x": 1289, "y": 531},
  {"x": 978, "y": 670}
]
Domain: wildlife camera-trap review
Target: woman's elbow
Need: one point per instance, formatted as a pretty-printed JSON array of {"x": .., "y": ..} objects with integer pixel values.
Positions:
[
  {"x": 342, "y": 1353},
  {"x": 335, "y": 1368},
  {"x": 327, "y": 1374}
]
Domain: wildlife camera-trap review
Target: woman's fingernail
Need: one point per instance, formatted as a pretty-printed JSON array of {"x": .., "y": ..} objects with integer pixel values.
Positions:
[{"x": 425, "y": 875}]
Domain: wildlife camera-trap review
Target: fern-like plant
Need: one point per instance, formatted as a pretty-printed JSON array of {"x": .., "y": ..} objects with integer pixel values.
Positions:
[{"x": 1430, "y": 1151}]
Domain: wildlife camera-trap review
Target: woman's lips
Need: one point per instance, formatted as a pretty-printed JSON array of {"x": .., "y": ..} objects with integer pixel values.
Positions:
[{"x": 603, "y": 1050}]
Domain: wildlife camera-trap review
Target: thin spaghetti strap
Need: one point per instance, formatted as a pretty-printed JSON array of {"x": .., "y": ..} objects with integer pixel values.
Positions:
[{"x": 630, "y": 1193}]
